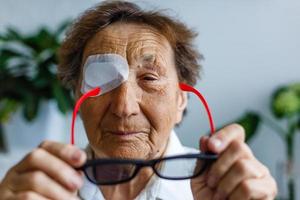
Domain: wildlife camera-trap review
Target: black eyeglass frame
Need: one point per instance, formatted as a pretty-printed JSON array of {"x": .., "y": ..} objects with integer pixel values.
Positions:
[{"x": 139, "y": 163}]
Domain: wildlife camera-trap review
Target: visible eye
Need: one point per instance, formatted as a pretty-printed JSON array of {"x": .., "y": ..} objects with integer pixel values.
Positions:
[{"x": 149, "y": 78}]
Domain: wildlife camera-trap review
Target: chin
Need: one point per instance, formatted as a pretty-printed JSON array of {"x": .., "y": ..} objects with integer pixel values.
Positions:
[{"x": 125, "y": 151}]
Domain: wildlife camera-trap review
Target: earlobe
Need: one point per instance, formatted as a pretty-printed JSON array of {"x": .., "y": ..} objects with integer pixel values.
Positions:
[{"x": 182, "y": 103}]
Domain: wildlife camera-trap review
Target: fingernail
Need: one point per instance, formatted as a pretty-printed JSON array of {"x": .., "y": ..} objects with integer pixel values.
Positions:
[
  {"x": 216, "y": 142},
  {"x": 211, "y": 182},
  {"x": 76, "y": 156}
]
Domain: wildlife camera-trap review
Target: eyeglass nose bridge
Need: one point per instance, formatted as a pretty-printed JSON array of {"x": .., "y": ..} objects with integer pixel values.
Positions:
[
  {"x": 149, "y": 163},
  {"x": 144, "y": 164}
]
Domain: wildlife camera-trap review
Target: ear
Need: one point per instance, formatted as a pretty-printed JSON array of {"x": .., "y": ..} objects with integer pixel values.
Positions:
[{"x": 181, "y": 105}]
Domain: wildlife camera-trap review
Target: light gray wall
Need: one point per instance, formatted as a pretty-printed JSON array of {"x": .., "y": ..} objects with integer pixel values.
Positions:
[{"x": 250, "y": 48}]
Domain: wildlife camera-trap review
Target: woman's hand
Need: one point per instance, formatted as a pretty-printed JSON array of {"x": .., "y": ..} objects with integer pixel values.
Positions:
[
  {"x": 45, "y": 173},
  {"x": 237, "y": 174}
]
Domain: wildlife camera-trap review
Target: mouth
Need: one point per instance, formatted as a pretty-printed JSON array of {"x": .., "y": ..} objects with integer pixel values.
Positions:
[{"x": 124, "y": 133}]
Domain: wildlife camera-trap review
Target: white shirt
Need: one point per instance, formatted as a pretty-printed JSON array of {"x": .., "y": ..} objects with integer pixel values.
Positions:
[{"x": 156, "y": 188}]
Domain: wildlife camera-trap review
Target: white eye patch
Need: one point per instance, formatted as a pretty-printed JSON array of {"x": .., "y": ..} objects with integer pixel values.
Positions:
[{"x": 107, "y": 71}]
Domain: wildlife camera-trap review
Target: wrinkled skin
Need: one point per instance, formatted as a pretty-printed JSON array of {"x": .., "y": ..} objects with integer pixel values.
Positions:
[{"x": 148, "y": 106}]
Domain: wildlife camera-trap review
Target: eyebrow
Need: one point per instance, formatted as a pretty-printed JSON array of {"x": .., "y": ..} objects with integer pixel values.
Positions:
[
  {"x": 148, "y": 58},
  {"x": 150, "y": 62}
]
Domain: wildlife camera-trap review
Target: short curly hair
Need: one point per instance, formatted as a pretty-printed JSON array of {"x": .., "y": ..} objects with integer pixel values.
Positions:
[{"x": 180, "y": 37}]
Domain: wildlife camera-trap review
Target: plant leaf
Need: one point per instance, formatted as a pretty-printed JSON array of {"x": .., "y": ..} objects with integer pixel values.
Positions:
[
  {"x": 28, "y": 69},
  {"x": 3, "y": 147},
  {"x": 42, "y": 40},
  {"x": 295, "y": 87},
  {"x": 13, "y": 33},
  {"x": 285, "y": 103},
  {"x": 61, "y": 96},
  {"x": 250, "y": 121},
  {"x": 7, "y": 108},
  {"x": 31, "y": 106}
]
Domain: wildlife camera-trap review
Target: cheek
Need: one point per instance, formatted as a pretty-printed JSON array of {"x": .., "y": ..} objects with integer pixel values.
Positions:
[
  {"x": 92, "y": 112},
  {"x": 159, "y": 107}
]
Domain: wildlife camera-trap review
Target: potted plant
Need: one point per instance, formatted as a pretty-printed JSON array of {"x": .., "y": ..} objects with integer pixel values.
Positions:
[
  {"x": 28, "y": 74},
  {"x": 285, "y": 106}
]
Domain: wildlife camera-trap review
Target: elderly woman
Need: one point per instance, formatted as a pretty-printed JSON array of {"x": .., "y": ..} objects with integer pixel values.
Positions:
[{"x": 135, "y": 119}]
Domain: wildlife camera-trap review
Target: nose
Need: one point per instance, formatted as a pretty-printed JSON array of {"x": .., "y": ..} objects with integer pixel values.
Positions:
[{"x": 125, "y": 101}]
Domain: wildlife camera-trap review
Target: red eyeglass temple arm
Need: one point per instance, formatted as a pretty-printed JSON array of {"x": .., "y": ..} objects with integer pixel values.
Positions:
[
  {"x": 188, "y": 88},
  {"x": 96, "y": 91},
  {"x": 90, "y": 93}
]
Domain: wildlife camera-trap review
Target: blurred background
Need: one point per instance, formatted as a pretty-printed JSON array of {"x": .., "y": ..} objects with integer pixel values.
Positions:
[{"x": 251, "y": 75}]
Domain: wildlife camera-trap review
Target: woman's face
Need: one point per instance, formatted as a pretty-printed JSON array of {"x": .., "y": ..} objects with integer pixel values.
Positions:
[{"x": 135, "y": 119}]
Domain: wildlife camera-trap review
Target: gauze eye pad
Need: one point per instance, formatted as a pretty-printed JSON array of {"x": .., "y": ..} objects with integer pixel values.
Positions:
[{"x": 107, "y": 71}]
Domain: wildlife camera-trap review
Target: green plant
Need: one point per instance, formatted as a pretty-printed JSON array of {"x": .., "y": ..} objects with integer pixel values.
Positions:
[
  {"x": 28, "y": 72},
  {"x": 285, "y": 105},
  {"x": 250, "y": 121}
]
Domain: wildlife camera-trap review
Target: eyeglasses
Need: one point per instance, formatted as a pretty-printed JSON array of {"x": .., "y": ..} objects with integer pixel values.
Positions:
[
  {"x": 115, "y": 171},
  {"x": 106, "y": 171}
]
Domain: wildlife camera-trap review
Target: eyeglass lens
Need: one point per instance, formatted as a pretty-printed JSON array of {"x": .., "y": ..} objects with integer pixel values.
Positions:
[{"x": 110, "y": 173}]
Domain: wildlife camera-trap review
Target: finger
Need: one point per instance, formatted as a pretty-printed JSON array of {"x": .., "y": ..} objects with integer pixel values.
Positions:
[
  {"x": 199, "y": 187},
  {"x": 203, "y": 143},
  {"x": 236, "y": 151},
  {"x": 69, "y": 153},
  {"x": 219, "y": 141},
  {"x": 203, "y": 192},
  {"x": 42, "y": 184},
  {"x": 41, "y": 160},
  {"x": 28, "y": 196},
  {"x": 264, "y": 188},
  {"x": 240, "y": 171}
]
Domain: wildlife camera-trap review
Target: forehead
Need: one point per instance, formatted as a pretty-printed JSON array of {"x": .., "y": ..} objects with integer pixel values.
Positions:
[{"x": 131, "y": 41}]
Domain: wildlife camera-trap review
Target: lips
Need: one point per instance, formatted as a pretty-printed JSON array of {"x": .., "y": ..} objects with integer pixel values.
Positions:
[{"x": 124, "y": 133}]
